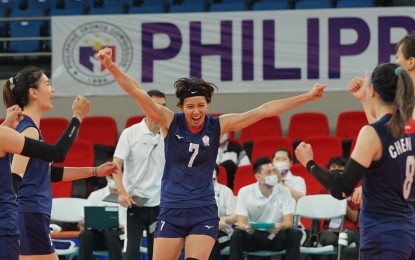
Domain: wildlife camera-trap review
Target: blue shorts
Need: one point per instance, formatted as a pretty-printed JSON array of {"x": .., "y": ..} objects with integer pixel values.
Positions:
[
  {"x": 35, "y": 234},
  {"x": 179, "y": 223},
  {"x": 9, "y": 244},
  {"x": 392, "y": 244}
]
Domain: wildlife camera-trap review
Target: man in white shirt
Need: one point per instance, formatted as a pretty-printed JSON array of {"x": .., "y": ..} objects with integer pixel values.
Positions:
[
  {"x": 270, "y": 204},
  {"x": 282, "y": 160},
  {"x": 140, "y": 149},
  {"x": 226, "y": 203},
  {"x": 110, "y": 240}
]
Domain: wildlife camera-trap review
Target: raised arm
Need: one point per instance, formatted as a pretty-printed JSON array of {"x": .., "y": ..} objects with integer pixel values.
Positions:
[
  {"x": 358, "y": 87},
  {"x": 158, "y": 113},
  {"x": 233, "y": 122},
  {"x": 341, "y": 186}
]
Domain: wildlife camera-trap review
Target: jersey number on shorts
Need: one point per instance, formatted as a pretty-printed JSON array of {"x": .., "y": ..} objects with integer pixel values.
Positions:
[
  {"x": 409, "y": 172},
  {"x": 193, "y": 148}
]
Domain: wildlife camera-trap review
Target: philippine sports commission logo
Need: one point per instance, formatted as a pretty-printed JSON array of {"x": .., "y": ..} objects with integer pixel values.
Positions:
[{"x": 81, "y": 48}]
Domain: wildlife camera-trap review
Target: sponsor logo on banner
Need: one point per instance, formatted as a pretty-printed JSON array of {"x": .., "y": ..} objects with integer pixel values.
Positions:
[{"x": 81, "y": 48}]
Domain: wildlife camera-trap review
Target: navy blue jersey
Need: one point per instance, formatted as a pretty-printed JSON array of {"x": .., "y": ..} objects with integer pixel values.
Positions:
[
  {"x": 388, "y": 186},
  {"x": 8, "y": 204},
  {"x": 190, "y": 161},
  {"x": 35, "y": 193}
]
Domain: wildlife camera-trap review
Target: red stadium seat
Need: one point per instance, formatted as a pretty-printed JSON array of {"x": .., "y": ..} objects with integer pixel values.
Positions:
[
  {"x": 81, "y": 154},
  {"x": 305, "y": 124},
  {"x": 324, "y": 148},
  {"x": 269, "y": 126},
  {"x": 103, "y": 133},
  {"x": 267, "y": 146},
  {"x": 222, "y": 175},
  {"x": 312, "y": 185},
  {"x": 133, "y": 120},
  {"x": 349, "y": 124},
  {"x": 52, "y": 128},
  {"x": 244, "y": 175}
]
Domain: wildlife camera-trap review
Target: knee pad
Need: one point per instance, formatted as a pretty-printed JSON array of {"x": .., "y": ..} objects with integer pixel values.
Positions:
[{"x": 191, "y": 258}]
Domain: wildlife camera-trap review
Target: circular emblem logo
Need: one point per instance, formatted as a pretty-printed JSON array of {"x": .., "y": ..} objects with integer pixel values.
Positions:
[{"x": 81, "y": 48}]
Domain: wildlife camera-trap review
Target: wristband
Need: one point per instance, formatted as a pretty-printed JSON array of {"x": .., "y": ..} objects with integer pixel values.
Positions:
[{"x": 310, "y": 164}]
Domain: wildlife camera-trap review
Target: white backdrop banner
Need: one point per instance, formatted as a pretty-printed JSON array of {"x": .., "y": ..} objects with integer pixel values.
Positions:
[{"x": 267, "y": 51}]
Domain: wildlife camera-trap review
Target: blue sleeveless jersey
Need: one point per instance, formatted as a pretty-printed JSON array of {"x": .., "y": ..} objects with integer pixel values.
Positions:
[
  {"x": 388, "y": 185},
  {"x": 35, "y": 193},
  {"x": 8, "y": 204},
  {"x": 190, "y": 161}
]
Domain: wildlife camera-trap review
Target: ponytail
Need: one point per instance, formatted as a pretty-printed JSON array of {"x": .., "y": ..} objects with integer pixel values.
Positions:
[{"x": 403, "y": 103}]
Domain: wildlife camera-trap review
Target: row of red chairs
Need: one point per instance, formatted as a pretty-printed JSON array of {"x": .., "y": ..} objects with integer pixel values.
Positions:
[
  {"x": 103, "y": 129},
  {"x": 306, "y": 124}
]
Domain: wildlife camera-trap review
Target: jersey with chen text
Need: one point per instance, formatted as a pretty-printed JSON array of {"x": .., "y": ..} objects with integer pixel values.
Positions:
[{"x": 388, "y": 185}]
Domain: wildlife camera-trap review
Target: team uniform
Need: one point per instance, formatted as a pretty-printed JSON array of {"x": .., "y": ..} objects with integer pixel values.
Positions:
[
  {"x": 387, "y": 216},
  {"x": 35, "y": 203},
  {"x": 9, "y": 234},
  {"x": 188, "y": 204}
]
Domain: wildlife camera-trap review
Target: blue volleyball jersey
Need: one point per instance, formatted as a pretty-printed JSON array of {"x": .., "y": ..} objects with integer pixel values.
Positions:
[
  {"x": 8, "y": 204},
  {"x": 388, "y": 186},
  {"x": 35, "y": 193},
  {"x": 190, "y": 161}
]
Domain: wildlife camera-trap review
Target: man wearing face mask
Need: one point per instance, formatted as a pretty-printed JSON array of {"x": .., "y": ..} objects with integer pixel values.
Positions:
[
  {"x": 282, "y": 161},
  {"x": 231, "y": 155},
  {"x": 330, "y": 234},
  {"x": 226, "y": 203},
  {"x": 91, "y": 240},
  {"x": 271, "y": 204}
]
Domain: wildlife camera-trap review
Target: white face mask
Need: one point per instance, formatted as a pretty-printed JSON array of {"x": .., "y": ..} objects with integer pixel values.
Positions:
[
  {"x": 271, "y": 180},
  {"x": 112, "y": 184},
  {"x": 283, "y": 167}
]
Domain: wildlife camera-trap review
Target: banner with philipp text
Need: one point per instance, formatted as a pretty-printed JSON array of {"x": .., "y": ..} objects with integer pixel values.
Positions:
[{"x": 241, "y": 52}]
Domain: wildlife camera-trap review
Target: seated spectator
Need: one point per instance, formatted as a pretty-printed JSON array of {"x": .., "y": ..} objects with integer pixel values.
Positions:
[
  {"x": 282, "y": 160},
  {"x": 330, "y": 234},
  {"x": 226, "y": 202},
  {"x": 265, "y": 201},
  {"x": 231, "y": 155},
  {"x": 90, "y": 240}
]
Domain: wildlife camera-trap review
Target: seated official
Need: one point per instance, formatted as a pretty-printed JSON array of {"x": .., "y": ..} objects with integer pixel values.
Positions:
[
  {"x": 95, "y": 240},
  {"x": 268, "y": 202}
]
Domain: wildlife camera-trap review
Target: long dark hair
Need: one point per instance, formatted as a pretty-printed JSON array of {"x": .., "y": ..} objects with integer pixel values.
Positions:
[
  {"x": 394, "y": 82},
  {"x": 15, "y": 89}
]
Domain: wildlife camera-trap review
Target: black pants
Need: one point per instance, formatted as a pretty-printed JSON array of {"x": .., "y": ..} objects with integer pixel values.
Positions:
[
  {"x": 332, "y": 238},
  {"x": 217, "y": 247},
  {"x": 90, "y": 240},
  {"x": 285, "y": 239},
  {"x": 138, "y": 220}
]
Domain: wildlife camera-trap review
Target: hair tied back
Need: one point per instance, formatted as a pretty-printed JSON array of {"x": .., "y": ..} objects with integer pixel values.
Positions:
[
  {"x": 398, "y": 70},
  {"x": 12, "y": 82}
]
